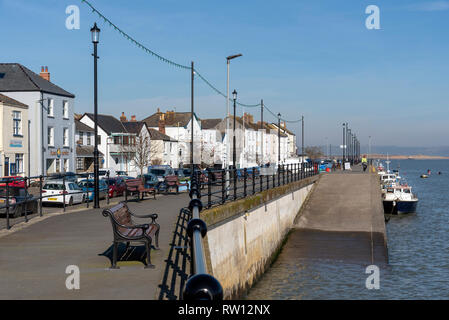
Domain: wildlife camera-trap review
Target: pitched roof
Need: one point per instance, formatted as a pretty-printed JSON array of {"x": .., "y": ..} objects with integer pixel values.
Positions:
[
  {"x": 86, "y": 151},
  {"x": 157, "y": 135},
  {"x": 133, "y": 126},
  {"x": 108, "y": 123},
  {"x": 79, "y": 126},
  {"x": 209, "y": 123},
  {"x": 172, "y": 119},
  {"x": 283, "y": 129},
  {"x": 16, "y": 77},
  {"x": 11, "y": 102}
]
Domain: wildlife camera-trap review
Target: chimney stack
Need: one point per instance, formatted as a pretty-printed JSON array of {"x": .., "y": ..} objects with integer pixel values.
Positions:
[
  {"x": 133, "y": 119},
  {"x": 161, "y": 123},
  {"x": 44, "y": 73},
  {"x": 123, "y": 117}
]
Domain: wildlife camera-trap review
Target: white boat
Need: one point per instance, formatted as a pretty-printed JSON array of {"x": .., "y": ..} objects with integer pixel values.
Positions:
[{"x": 399, "y": 199}]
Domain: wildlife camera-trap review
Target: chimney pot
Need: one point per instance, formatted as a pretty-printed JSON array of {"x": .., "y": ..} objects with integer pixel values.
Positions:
[
  {"x": 44, "y": 73},
  {"x": 123, "y": 117},
  {"x": 133, "y": 118}
]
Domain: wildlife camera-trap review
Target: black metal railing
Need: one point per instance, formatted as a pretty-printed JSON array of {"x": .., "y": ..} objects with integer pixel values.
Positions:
[
  {"x": 217, "y": 189},
  {"x": 200, "y": 285},
  {"x": 24, "y": 196}
]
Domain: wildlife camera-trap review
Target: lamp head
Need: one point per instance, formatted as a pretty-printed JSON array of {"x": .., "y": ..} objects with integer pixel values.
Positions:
[{"x": 95, "y": 33}]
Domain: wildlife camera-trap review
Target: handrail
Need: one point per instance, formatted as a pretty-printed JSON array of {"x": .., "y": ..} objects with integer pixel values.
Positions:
[{"x": 201, "y": 285}]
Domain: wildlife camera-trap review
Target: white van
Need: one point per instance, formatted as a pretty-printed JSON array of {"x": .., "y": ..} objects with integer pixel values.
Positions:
[{"x": 102, "y": 172}]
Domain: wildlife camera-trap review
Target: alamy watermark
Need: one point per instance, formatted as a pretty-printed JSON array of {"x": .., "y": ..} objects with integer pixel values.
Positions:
[
  {"x": 72, "y": 22},
  {"x": 373, "y": 20},
  {"x": 72, "y": 282},
  {"x": 373, "y": 280}
]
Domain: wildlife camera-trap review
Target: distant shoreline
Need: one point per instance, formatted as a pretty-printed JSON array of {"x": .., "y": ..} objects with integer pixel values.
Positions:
[{"x": 407, "y": 157}]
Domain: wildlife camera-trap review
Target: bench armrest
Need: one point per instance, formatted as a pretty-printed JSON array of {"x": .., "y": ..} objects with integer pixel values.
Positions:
[{"x": 153, "y": 216}]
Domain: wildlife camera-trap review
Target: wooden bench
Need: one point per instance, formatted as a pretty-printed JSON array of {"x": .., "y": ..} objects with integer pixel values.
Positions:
[
  {"x": 171, "y": 181},
  {"x": 136, "y": 186},
  {"x": 125, "y": 230}
]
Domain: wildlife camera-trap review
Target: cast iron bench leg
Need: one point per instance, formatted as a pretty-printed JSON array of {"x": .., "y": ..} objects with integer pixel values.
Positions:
[
  {"x": 114, "y": 256},
  {"x": 148, "y": 247}
]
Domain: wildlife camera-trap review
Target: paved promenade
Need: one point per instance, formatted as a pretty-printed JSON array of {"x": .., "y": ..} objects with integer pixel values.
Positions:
[
  {"x": 33, "y": 260},
  {"x": 343, "y": 219}
]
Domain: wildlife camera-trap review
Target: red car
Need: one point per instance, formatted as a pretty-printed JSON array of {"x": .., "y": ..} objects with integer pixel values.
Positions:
[
  {"x": 14, "y": 181},
  {"x": 117, "y": 186}
]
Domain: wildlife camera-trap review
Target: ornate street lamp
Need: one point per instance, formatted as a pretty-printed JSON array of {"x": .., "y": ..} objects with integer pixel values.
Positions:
[{"x": 95, "y": 31}]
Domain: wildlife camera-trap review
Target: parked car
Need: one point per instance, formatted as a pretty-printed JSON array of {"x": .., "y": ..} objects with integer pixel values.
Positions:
[
  {"x": 121, "y": 173},
  {"x": 103, "y": 172},
  {"x": 116, "y": 185},
  {"x": 53, "y": 192},
  {"x": 13, "y": 181},
  {"x": 68, "y": 176},
  {"x": 17, "y": 205},
  {"x": 181, "y": 175},
  {"x": 87, "y": 186},
  {"x": 161, "y": 171},
  {"x": 150, "y": 180}
]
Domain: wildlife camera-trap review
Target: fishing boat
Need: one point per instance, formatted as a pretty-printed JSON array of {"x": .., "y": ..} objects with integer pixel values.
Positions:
[{"x": 399, "y": 199}]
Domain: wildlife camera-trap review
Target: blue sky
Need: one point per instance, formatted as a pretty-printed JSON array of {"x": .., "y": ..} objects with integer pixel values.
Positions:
[{"x": 302, "y": 57}]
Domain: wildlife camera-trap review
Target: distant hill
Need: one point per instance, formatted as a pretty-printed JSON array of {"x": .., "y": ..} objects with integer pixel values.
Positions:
[{"x": 397, "y": 150}]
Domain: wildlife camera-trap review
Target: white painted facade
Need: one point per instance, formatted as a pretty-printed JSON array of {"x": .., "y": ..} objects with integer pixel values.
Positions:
[{"x": 59, "y": 154}]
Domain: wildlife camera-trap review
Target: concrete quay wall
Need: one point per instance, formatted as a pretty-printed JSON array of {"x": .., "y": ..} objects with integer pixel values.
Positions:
[{"x": 245, "y": 236}]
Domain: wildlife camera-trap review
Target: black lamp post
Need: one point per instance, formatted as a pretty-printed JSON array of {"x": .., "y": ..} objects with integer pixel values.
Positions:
[
  {"x": 279, "y": 139},
  {"x": 234, "y": 96},
  {"x": 95, "y": 39}
]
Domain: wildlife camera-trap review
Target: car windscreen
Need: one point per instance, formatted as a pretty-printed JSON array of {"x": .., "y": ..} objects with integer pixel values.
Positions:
[{"x": 53, "y": 186}]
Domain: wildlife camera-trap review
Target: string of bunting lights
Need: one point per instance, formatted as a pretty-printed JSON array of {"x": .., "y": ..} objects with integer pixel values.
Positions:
[{"x": 172, "y": 63}]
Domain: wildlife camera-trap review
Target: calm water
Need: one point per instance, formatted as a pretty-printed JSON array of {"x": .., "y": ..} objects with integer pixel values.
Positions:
[{"x": 418, "y": 246}]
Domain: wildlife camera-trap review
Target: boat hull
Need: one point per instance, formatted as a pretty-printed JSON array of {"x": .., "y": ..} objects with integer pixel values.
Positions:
[
  {"x": 406, "y": 206},
  {"x": 389, "y": 207}
]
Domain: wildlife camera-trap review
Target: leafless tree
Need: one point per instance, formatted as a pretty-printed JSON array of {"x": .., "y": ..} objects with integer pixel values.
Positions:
[{"x": 314, "y": 152}]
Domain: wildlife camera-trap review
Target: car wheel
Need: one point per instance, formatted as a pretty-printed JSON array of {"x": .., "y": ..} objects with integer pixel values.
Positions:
[{"x": 71, "y": 201}]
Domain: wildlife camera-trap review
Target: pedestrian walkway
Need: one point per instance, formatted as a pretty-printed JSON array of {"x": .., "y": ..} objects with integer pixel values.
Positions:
[{"x": 33, "y": 260}]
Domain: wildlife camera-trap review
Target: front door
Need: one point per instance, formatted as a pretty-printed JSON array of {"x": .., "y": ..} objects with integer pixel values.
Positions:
[{"x": 6, "y": 166}]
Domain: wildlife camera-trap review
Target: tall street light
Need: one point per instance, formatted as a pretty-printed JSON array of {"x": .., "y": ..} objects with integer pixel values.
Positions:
[
  {"x": 226, "y": 164},
  {"x": 234, "y": 96},
  {"x": 279, "y": 139},
  {"x": 95, "y": 39}
]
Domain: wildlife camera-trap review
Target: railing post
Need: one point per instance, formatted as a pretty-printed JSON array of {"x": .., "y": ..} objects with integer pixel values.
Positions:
[
  {"x": 40, "y": 195},
  {"x": 209, "y": 188},
  {"x": 7, "y": 204},
  {"x": 244, "y": 182},
  {"x": 26, "y": 198},
  {"x": 254, "y": 180},
  {"x": 223, "y": 186},
  {"x": 235, "y": 183},
  {"x": 279, "y": 175},
  {"x": 201, "y": 285},
  {"x": 288, "y": 173},
  {"x": 63, "y": 192},
  {"x": 283, "y": 174},
  {"x": 274, "y": 178},
  {"x": 260, "y": 181}
]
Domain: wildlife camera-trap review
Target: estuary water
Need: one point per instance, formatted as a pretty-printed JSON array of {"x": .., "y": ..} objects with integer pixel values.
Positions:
[{"x": 418, "y": 247}]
